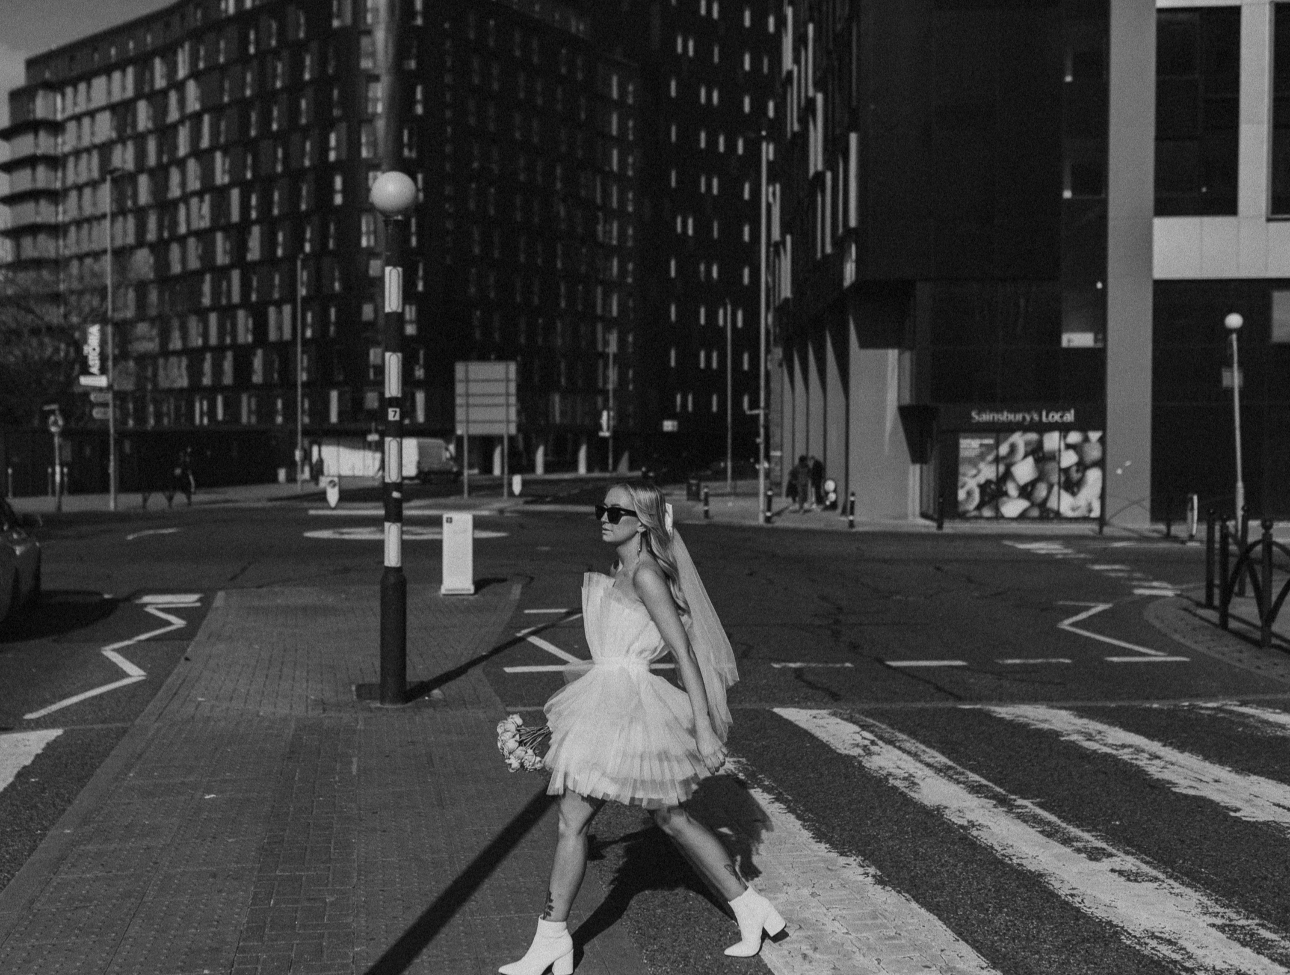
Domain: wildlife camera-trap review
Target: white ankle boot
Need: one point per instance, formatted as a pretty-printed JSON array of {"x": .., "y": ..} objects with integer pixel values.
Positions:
[
  {"x": 754, "y": 914},
  {"x": 552, "y": 948}
]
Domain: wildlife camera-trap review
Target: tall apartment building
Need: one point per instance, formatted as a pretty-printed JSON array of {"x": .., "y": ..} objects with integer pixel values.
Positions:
[
  {"x": 238, "y": 140},
  {"x": 707, "y": 80},
  {"x": 963, "y": 255}
]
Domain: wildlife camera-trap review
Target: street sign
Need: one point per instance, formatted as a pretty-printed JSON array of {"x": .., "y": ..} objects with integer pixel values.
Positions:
[
  {"x": 92, "y": 353},
  {"x": 486, "y": 401},
  {"x": 55, "y": 422},
  {"x": 101, "y": 412},
  {"x": 94, "y": 382},
  {"x": 100, "y": 397}
]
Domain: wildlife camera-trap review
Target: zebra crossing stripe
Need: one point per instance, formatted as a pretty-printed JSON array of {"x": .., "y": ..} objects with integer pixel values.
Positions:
[
  {"x": 18, "y": 750},
  {"x": 1268, "y": 718},
  {"x": 1245, "y": 796},
  {"x": 1155, "y": 913},
  {"x": 842, "y": 917}
]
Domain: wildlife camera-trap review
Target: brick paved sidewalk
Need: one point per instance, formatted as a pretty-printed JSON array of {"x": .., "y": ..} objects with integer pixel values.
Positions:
[{"x": 259, "y": 819}]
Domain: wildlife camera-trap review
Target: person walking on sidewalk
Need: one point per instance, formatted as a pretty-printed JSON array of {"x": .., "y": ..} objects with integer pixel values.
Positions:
[
  {"x": 622, "y": 734},
  {"x": 817, "y": 482},
  {"x": 799, "y": 483}
]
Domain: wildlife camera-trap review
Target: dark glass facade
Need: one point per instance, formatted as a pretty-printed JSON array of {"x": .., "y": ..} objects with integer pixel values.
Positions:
[
  {"x": 946, "y": 199},
  {"x": 1198, "y": 65},
  {"x": 1192, "y": 428}
]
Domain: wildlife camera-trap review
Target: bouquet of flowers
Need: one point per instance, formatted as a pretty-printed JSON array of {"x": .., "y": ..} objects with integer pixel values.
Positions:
[{"x": 519, "y": 744}]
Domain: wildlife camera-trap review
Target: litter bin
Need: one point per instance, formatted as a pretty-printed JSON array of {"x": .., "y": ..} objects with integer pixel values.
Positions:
[{"x": 693, "y": 489}]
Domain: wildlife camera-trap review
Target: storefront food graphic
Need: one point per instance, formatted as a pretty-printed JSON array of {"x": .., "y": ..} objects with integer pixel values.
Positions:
[{"x": 1030, "y": 474}]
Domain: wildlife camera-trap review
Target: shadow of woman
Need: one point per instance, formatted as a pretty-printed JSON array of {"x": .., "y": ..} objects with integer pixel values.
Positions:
[{"x": 647, "y": 860}]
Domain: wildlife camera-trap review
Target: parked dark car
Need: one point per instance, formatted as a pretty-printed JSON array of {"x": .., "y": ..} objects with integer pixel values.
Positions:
[{"x": 19, "y": 562}]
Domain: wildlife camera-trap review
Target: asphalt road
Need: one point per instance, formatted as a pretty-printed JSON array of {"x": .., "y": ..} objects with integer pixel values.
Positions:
[{"x": 1024, "y": 664}]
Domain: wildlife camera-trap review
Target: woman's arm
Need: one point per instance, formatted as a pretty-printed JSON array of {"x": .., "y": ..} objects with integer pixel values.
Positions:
[{"x": 652, "y": 587}]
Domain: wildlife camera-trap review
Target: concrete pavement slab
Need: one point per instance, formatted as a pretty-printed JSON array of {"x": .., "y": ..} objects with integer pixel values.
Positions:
[{"x": 260, "y": 818}]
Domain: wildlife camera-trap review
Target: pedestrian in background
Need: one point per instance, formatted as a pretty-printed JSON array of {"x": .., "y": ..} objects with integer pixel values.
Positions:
[
  {"x": 620, "y": 733},
  {"x": 817, "y": 482},
  {"x": 799, "y": 483}
]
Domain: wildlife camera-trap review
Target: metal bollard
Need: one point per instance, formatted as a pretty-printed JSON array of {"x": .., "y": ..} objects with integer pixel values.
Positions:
[
  {"x": 1193, "y": 516},
  {"x": 1169, "y": 516},
  {"x": 1243, "y": 545},
  {"x": 1265, "y": 597},
  {"x": 940, "y": 512},
  {"x": 1224, "y": 582},
  {"x": 1209, "y": 559},
  {"x": 706, "y": 512},
  {"x": 770, "y": 503},
  {"x": 851, "y": 511}
]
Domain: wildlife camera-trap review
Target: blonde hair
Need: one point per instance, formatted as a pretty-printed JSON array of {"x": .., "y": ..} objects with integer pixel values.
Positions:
[{"x": 651, "y": 509}]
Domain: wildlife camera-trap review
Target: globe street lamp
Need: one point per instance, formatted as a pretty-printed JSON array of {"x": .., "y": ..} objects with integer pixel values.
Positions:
[
  {"x": 393, "y": 194},
  {"x": 1233, "y": 323}
]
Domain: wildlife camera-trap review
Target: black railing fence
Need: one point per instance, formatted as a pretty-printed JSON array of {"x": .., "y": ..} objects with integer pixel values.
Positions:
[{"x": 1257, "y": 563}]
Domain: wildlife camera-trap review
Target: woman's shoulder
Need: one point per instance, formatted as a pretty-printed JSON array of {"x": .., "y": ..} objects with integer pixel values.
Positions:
[{"x": 648, "y": 575}]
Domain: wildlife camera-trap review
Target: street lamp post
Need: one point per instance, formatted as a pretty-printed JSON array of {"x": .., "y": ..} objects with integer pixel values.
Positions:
[
  {"x": 111, "y": 350},
  {"x": 393, "y": 194},
  {"x": 300, "y": 359},
  {"x": 762, "y": 426},
  {"x": 1233, "y": 323},
  {"x": 729, "y": 414}
]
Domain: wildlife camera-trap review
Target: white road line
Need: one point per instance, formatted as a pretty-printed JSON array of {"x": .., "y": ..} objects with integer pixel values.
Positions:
[
  {"x": 1143, "y": 591},
  {"x": 1109, "y": 568},
  {"x": 134, "y": 673},
  {"x": 17, "y": 751},
  {"x": 1034, "y": 660},
  {"x": 1156, "y": 913},
  {"x": 152, "y": 531},
  {"x": 1093, "y": 609},
  {"x": 925, "y": 663},
  {"x": 1268, "y": 717},
  {"x": 1249, "y": 797},
  {"x": 533, "y": 611},
  {"x": 798, "y": 665},
  {"x": 842, "y": 917},
  {"x": 1148, "y": 660},
  {"x": 551, "y": 648},
  {"x": 557, "y": 668},
  {"x": 170, "y": 599}
]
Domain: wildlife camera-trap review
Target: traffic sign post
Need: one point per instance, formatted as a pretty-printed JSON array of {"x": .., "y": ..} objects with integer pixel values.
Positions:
[
  {"x": 485, "y": 406},
  {"x": 55, "y": 422}
]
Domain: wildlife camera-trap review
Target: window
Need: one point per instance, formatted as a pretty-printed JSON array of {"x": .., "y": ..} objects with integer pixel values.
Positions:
[
  {"x": 1198, "y": 66},
  {"x": 1281, "y": 317}
]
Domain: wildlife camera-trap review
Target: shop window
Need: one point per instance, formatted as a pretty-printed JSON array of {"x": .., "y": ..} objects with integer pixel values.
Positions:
[{"x": 1030, "y": 474}]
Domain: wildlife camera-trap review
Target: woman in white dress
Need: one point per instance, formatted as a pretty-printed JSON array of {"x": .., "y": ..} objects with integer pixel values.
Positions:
[{"x": 622, "y": 734}]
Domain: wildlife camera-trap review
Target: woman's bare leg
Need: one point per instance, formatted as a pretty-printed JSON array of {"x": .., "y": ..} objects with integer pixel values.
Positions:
[
  {"x": 704, "y": 849},
  {"x": 570, "y": 864}
]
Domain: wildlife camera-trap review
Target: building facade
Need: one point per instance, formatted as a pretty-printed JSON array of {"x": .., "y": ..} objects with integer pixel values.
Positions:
[
  {"x": 1222, "y": 245},
  {"x": 708, "y": 78},
  {"x": 234, "y": 144},
  {"x": 961, "y": 232}
]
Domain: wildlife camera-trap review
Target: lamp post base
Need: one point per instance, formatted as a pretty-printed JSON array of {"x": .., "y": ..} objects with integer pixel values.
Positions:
[{"x": 394, "y": 637}]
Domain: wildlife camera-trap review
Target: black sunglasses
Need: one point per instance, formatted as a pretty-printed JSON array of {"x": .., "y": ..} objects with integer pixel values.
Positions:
[{"x": 614, "y": 512}]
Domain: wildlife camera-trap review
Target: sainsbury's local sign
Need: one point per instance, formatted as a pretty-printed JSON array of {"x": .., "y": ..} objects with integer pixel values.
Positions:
[{"x": 1029, "y": 416}]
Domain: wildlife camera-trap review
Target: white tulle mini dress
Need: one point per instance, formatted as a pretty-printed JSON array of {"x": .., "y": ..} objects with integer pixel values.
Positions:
[{"x": 620, "y": 732}]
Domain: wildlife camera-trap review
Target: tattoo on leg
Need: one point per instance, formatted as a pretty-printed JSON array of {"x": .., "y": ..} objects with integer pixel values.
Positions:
[
  {"x": 730, "y": 869},
  {"x": 550, "y": 906}
]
